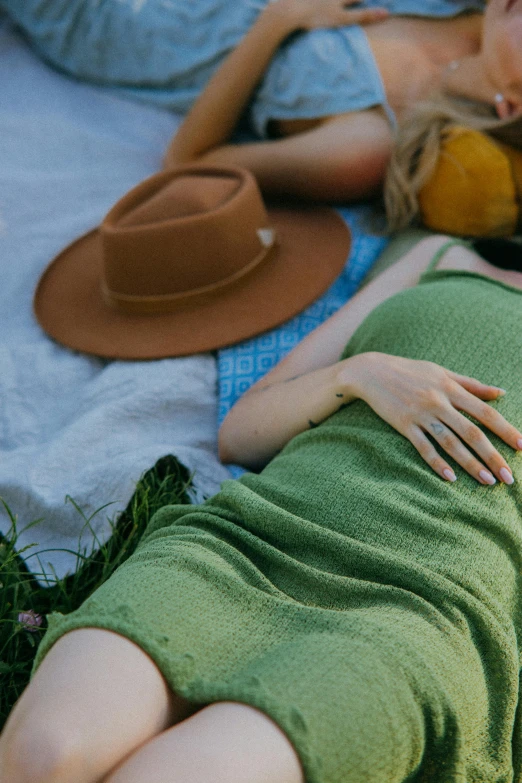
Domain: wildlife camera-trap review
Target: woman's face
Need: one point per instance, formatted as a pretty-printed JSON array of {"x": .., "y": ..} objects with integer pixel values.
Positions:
[{"x": 502, "y": 51}]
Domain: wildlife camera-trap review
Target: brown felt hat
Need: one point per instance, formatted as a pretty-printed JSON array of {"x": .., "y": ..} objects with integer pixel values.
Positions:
[{"x": 189, "y": 260}]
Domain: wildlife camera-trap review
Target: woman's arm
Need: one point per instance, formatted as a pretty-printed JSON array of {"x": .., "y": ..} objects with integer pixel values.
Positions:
[
  {"x": 303, "y": 387},
  {"x": 203, "y": 135},
  {"x": 414, "y": 397}
]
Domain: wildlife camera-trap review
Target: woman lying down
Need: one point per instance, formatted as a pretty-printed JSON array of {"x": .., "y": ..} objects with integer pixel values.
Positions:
[{"x": 349, "y": 614}]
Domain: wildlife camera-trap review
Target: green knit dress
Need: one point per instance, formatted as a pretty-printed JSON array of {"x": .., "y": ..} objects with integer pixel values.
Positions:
[{"x": 370, "y": 608}]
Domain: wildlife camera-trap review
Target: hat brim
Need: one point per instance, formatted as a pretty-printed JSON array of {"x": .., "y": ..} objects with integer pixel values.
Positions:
[{"x": 312, "y": 249}]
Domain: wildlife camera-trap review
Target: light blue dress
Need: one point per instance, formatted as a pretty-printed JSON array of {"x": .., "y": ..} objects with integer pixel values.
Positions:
[{"x": 164, "y": 51}]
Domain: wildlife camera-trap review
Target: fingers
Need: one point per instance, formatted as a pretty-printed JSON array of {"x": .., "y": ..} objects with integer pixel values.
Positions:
[
  {"x": 430, "y": 455},
  {"x": 453, "y": 446},
  {"x": 364, "y": 16},
  {"x": 451, "y": 438},
  {"x": 456, "y": 449},
  {"x": 482, "y": 390},
  {"x": 450, "y": 435},
  {"x": 482, "y": 446},
  {"x": 473, "y": 435},
  {"x": 488, "y": 416},
  {"x": 337, "y": 13}
]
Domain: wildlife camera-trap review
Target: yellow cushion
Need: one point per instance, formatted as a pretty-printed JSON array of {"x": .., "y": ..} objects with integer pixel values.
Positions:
[
  {"x": 472, "y": 191},
  {"x": 515, "y": 158}
]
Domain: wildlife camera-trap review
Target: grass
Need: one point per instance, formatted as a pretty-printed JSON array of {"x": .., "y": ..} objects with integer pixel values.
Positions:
[{"x": 165, "y": 483}]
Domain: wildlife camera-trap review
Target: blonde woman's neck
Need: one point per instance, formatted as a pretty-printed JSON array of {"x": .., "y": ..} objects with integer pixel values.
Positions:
[{"x": 422, "y": 49}]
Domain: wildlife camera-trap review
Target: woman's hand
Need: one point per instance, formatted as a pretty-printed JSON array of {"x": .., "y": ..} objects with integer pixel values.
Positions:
[
  {"x": 312, "y": 14},
  {"x": 420, "y": 398}
]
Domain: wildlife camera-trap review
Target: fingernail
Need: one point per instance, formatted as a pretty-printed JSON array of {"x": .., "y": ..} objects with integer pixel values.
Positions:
[
  {"x": 500, "y": 392},
  {"x": 486, "y": 477},
  {"x": 449, "y": 474},
  {"x": 506, "y": 476},
  {"x": 519, "y": 443}
]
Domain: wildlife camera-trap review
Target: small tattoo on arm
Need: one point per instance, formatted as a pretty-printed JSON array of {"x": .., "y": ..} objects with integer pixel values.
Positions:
[
  {"x": 339, "y": 395},
  {"x": 271, "y": 385},
  {"x": 437, "y": 428}
]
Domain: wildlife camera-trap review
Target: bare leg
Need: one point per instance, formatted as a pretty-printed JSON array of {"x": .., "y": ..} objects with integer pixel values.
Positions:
[
  {"x": 95, "y": 699},
  {"x": 223, "y": 743}
]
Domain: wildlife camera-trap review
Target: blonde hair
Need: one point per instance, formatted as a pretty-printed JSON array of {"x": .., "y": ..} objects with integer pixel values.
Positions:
[{"x": 418, "y": 144}]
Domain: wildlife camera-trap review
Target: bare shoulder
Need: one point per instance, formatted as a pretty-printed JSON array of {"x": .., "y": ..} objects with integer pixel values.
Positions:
[
  {"x": 414, "y": 262},
  {"x": 458, "y": 256},
  {"x": 466, "y": 259}
]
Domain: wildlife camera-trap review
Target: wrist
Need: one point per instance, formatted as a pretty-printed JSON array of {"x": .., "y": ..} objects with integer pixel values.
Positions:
[
  {"x": 353, "y": 375},
  {"x": 282, "y": 17}
]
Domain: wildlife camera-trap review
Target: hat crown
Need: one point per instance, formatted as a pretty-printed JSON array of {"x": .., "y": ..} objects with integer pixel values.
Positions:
[
  {"x": 181, "y": 197},
  {"x": 174, "y": 235}
]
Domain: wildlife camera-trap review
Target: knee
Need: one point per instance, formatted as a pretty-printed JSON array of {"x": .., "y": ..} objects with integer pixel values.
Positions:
[{"x": 39, "y": 749}]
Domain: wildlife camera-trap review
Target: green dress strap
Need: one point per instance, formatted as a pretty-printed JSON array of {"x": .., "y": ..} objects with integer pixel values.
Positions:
[{"x": 442, "y": 250}]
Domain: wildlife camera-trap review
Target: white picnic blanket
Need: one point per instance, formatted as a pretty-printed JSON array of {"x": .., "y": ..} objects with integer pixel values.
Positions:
[{"x": 72, "y": 425}]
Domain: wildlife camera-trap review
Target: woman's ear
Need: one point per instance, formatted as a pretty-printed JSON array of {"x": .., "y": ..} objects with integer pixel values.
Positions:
[{"x": 507, "y": 109}]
